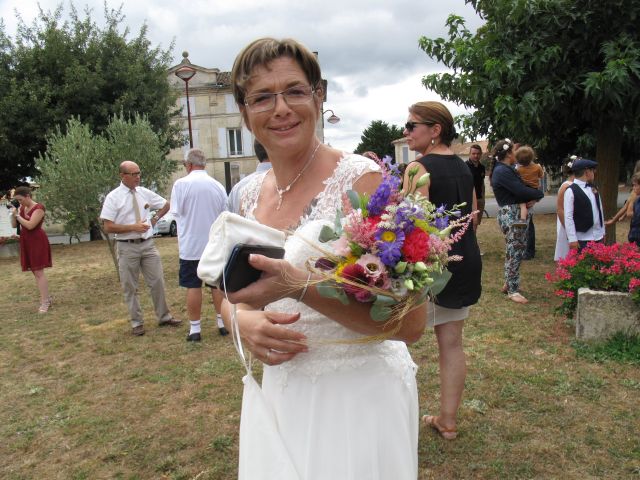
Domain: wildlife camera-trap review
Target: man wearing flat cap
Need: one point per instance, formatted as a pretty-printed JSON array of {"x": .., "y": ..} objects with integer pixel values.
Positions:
[{"x": 584, "y": 220}]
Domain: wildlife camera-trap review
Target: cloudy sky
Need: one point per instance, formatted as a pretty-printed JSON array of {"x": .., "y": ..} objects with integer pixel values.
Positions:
[{"x": 368, "y": 49}]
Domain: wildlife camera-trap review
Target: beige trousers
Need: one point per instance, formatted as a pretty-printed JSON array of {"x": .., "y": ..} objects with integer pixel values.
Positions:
[{"x": 136, "y": 257}]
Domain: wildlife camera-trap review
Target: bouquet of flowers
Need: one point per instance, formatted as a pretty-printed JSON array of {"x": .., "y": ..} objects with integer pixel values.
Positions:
[
  {"x": 613, "y": 268},
  {"x": 390, "y": 249}
]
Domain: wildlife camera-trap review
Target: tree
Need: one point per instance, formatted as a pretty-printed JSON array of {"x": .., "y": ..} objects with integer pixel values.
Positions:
[
  {"x": 55, "y": 71},
  {"x": 79, "y": 168},
  {"x": 562, "y": 75},
  {"x": 377, "y": 138}
]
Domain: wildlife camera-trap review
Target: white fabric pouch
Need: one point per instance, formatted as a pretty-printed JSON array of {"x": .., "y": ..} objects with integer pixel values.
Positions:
[{"x": 227, "y": 231}]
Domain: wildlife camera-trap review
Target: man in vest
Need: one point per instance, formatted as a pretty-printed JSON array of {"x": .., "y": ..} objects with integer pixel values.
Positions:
[{"x": 583, "y": 217}]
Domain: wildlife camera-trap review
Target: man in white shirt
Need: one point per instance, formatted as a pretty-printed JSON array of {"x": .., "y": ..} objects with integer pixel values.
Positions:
[
  {"x": 235, "y": 195},
  {"x": 583, "y": 215},
  {"x": 125, "y": 212},
  {"x": 196, "y": 202}
]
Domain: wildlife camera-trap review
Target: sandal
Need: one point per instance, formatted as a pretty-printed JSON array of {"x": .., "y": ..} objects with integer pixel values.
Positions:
[
  {"x": 446, "y": 433},
  {"x": 44, "y": 306},
  {"x": 516, "y": 297},
  {"x": 505, "y": 289}
]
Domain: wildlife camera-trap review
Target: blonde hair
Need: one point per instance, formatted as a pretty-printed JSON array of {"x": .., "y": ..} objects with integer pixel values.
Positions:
[
  {"x": 261, "y": 52},
  {"x": 436, "y": 112}
]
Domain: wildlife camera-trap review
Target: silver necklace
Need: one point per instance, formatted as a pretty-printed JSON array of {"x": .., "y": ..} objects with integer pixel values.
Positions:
[{"x": 282, "y": 191}]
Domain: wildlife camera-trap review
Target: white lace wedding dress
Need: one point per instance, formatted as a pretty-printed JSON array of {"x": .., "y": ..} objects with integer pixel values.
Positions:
[{"x": 343, "y": 411}]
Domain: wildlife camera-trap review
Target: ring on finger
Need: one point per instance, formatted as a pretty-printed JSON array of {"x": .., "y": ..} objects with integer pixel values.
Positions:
[{"x": 269, "y": 354}]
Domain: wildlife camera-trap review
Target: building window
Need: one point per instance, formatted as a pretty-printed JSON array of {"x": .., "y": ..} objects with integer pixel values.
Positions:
[
  {"x": 405, "y": 154},
  {"x": 235, "y": 142}
]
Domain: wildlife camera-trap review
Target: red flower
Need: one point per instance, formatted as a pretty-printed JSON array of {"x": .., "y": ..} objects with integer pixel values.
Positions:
[
  {"x": 356, "y": 273},
  {"x": 416, "y": 246}
]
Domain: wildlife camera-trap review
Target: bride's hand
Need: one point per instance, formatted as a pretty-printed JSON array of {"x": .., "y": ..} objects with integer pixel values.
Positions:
[
  {"x": 279, "y": 279},
  {"x": 267, "y": 339}
]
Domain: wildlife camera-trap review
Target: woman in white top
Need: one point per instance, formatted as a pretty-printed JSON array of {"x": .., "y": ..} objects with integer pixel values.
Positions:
[{"x": 562, "y": 242}]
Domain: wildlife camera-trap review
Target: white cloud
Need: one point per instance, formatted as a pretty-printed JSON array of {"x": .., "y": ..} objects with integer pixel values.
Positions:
[{"x": 368, "y": 49}]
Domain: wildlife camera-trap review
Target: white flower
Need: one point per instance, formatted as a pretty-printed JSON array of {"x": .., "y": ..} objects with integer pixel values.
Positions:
[
  {"x": 573, "y": 158},
  {"x": 372, "y": 265}
]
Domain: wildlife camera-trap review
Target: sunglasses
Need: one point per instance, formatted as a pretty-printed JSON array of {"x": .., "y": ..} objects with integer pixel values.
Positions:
[{"x": 411, "y": 125}]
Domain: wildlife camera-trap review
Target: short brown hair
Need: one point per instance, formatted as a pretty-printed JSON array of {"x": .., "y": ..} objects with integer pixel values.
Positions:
[
  {"x": 635, "y": 178},
  {"x": 23, "y": 191},
  {"x": 436, "y": 112},
  {"x": 525, "y": 155},
  {"x": 261, "y": 52}
]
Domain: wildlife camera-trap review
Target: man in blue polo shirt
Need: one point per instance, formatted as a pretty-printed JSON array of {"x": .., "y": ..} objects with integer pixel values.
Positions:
[{"x": 583, "y": 217}]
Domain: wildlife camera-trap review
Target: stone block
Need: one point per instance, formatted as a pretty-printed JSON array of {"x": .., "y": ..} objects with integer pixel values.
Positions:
[{"x": 601, "y": 314}]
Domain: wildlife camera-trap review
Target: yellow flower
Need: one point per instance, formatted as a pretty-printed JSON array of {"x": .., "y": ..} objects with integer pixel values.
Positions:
[
  {"x": 347, "y": 261},
  {"x": 388, "y": 236}
]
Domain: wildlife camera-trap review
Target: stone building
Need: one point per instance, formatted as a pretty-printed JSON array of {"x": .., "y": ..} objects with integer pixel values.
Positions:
[{"x": 216, "y": 124}]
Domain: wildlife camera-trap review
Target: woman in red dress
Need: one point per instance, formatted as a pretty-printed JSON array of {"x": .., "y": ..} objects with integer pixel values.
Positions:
[{"x": 35, "y": 251}]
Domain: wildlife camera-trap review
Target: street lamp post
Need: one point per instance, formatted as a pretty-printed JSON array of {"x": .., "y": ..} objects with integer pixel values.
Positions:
[
  {"x": 186, "y": 73},
  {"x": 333, "y": 119}
]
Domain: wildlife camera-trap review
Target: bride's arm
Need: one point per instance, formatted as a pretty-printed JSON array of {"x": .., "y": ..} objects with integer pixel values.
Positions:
[{"x": 281, "y": 279}]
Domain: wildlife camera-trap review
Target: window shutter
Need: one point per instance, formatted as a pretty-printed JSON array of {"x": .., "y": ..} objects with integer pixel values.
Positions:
[
  {"x": 247, "y": 142},
  {"x": 222, "y": 142},
  {"x": 230, "y": 104}
]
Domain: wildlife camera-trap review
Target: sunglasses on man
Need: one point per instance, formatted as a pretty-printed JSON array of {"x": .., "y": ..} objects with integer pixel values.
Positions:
[{"x": 411, "y": 125}]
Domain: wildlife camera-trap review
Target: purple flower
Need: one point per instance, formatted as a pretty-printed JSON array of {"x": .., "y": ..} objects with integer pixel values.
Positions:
[
  {"x": 405, "y": 215},
  {"x": 441, "y": 222},
  {"x": 390, "y": 165},
  {"x": 380, "y": 198},
  {"x": 389, "y": 243},
  {"x": 324, "y": 263}
]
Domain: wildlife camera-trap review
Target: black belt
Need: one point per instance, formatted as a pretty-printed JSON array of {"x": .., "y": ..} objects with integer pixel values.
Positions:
[{"x": 135, "y": 240}]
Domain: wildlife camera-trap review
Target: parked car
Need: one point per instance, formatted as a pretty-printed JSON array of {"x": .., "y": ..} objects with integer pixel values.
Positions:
[{"x": 167, "y": 225}]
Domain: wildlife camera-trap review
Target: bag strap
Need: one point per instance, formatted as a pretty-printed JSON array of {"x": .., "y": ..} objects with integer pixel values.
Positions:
[
  {"x": 237, "y": 342},
  {"x": 235, "y": 332}
]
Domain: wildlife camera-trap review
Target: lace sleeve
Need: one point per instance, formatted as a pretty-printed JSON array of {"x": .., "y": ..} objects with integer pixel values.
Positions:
[
  {"x": 350, "y": 168},
  {"x": 249, "y": 195}
]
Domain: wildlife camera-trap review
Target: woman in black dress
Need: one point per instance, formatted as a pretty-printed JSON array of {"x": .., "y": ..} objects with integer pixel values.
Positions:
[{"x": 429, "y": 131}]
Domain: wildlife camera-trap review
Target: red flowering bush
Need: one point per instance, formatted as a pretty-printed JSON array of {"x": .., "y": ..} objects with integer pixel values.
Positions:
[{"x": 614, "y": 268}]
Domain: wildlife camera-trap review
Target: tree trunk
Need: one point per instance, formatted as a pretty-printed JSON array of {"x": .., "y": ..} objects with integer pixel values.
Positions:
[
  {"x": 608, "y": 154},
  {"x": 95, "y": 233}
]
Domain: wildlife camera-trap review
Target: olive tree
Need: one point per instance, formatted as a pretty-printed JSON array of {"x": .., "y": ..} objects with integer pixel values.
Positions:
[{"x": 79, "y": 168}]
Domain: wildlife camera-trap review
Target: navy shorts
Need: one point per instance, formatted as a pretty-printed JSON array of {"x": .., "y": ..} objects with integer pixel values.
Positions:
[{"x": 188, "y": 276}]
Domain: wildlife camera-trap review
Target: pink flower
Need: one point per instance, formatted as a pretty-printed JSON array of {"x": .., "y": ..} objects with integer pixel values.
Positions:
[
  {"x": 341, "y": 246},
  {"x": 373, "y": 266}
]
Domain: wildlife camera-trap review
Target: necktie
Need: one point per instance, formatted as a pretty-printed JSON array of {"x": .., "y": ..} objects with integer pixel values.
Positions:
[
  {"x": 134, "y": 204},
  {"x": 597, "y": 195}
]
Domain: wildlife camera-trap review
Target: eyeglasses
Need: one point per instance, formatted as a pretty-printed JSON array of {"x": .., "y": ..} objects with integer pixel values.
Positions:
[
  {"x": 133, "y": 174},
  {"x": 411, "y": 125},
  {"x": 261, "y": 102}
]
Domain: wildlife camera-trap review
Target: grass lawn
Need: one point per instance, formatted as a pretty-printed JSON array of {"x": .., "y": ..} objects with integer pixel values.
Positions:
[{"x": 83, "y": 399}]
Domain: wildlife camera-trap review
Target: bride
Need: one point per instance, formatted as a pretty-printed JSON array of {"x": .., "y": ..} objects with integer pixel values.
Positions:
[{"x": 342, "y": 410}]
